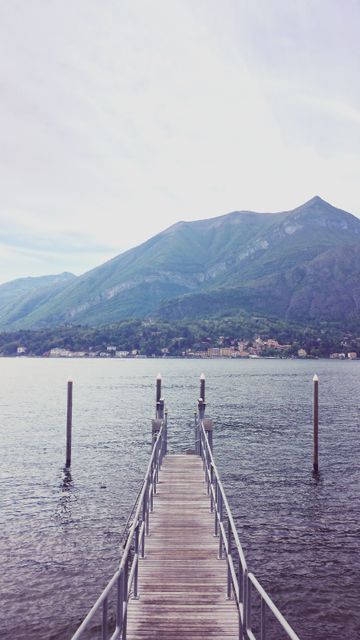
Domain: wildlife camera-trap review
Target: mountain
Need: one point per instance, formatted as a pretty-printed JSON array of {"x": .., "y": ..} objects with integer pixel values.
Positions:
[
  {"x": 302, "y": 264},
  {"x": 22, "y": 296},
  {"x": 304, "y": 267}
]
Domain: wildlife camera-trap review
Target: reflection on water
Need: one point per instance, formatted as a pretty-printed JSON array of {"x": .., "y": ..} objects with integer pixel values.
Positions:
[
  {"x": 67, "y": 497},
  {"x": 61, "y": 529}
]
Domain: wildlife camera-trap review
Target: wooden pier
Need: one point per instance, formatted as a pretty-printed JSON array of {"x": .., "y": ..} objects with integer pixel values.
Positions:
[
  {"x": 183, "y": 573},
  {"x": 182, "y": 583}
]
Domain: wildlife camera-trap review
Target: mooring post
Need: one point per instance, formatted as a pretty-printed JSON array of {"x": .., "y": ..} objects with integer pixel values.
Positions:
[
  {"x": 316, "y": 425},
  {"x": 158, "y": 395},
  {"x": 202, "y": 387},
  {"x": 201, "y": 401},
  {"x": 69, "y": 422},
  {"x": 201, "y": 408},
  {"x": 201, "y": 412}
]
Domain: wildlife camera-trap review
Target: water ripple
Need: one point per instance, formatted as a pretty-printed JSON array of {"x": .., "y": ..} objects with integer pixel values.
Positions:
[{"x": 61, "y": 531}]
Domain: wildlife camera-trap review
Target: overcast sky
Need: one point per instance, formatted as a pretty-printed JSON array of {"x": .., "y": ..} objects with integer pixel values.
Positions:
[{"x": 120, "y": 117}]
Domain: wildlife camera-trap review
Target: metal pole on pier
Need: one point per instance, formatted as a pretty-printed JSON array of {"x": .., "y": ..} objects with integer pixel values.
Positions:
[
  {"x": 201, "y": 401},
  {"x": 69, "y": 422},
  {"x": 201, "y": 408},
  {"x": 202, "y": 387},
  {"x": 196, "y": 434},
  {"x": 159, "y": 410},
  {"x": 209, "y": 427},
  {"x": 316, "y": 425},
  {"x": 158, "y": 395}
]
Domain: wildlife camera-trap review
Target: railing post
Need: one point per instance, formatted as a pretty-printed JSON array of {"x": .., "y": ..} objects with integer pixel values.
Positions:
[
  {"x": 241, "y": 581},
  {"x": 220, "y": 523},
  {"x": 104, "y": 623},
  {"x": 165, "y": 432},
  {"x": 126, "y": 575},
  {"x": 263, "y": 620},
  {"x": 151, "y": 490},
  {"x": 228, "y": 559},
  {"x": 136, "y": 560},
  {"x": 120, "y": 601},
  {"x": 154, "y": 476},
  {"x": 209, "y": 427},
  {"x": 216, "y": 532},
  {"x": 157, "y": 462},
  {"x": 144, "y": 511},
  {"x": 248, "y": 604},
  {"x": 241, "y": 600},
  {"x": 147, "y": 493},
  {"x": 245, "y": 597},
  {"x": 241, "y": 628},
  {"x": 196, "y": 434},
  {"x": 211, "y": 487},
  {"x": 156, "y": 426}
]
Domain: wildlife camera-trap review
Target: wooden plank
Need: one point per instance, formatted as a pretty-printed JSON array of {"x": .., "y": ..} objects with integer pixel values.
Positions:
[{"x": 182, "y": 583}]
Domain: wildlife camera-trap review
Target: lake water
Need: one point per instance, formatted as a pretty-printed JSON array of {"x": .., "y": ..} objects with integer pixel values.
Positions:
[{"x": 60, "y": 536}]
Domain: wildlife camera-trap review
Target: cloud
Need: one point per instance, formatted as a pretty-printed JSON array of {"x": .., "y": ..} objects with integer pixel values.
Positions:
[
  {"x": 44, "y": 253},
  {"x": 119, "y": 119},
  {"x": 21, "y": 238}
]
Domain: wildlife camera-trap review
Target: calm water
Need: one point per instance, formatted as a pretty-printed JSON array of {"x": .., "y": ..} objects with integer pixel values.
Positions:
[{"x": 60, "y": 536}]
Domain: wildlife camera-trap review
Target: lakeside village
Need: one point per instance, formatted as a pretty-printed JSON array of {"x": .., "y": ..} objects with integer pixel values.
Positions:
[{"x": 258, "y": 348}]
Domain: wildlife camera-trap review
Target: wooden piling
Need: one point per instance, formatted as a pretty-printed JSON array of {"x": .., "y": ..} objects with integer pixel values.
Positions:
[
  {"x": 201, "y": 408},
  {"x": 202, "y": 387},
  {"x": 158, "y": 397},
  {"x": 316, "y": 425},
  {"x": 161, "y": 409},
  {"x": 69, "y": 422},
  {"x": 158, "y": 387}
]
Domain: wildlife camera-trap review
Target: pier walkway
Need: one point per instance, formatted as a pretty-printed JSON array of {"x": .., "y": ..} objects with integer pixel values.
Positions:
[
  {"x": 181, "y": 580},
  {"x": 183, "y": 573}
]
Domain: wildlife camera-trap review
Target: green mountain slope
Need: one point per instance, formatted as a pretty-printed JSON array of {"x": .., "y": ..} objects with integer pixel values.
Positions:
[
  {"x": 178, "y": 260},
  {"x": 301, "y": 264},
  {"x": 305, "y": 268},
  {"x": 20, "y": 297}
]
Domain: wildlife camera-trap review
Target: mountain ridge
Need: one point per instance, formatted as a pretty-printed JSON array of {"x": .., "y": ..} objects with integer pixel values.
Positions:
[
  {"x": 17, "y": 296},
  {"x": 240, "y": 261}
]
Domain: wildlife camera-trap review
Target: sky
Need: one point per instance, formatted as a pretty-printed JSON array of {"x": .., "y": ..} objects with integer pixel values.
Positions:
[{"x": 119, "y": 118}]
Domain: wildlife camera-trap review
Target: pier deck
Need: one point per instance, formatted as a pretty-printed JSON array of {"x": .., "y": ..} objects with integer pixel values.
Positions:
[
  {"x": 182, "y": 583},
  {"x": 183, "y": 573}
]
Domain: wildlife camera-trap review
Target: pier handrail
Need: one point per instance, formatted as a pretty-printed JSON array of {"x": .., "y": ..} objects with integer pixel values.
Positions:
[
  {"x": 225, "y": 529},
  {"x": 265, "y": 601},
  {"x": 112, "y": 604},
  {"x": 126, "y": 576},
  {"x": 240, "y": 581}
]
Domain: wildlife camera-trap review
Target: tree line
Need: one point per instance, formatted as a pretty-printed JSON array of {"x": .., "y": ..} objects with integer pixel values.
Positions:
[{"x": 151, "y": 337}]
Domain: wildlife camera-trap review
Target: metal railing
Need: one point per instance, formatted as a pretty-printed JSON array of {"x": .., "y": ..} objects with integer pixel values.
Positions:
[
  {"x": 242, "y": 585},
  {"x": 125, "y": 580},
  {"x": 240, "y": 582}
]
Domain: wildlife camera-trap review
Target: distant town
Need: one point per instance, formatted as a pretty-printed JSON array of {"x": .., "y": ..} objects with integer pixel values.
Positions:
[
  {"x": 258, "y": 348},
  {"x": 239, "y": 337}
]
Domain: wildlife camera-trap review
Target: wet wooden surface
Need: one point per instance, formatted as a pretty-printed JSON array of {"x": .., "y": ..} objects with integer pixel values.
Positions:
[{"x": 182, "y": 583}]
